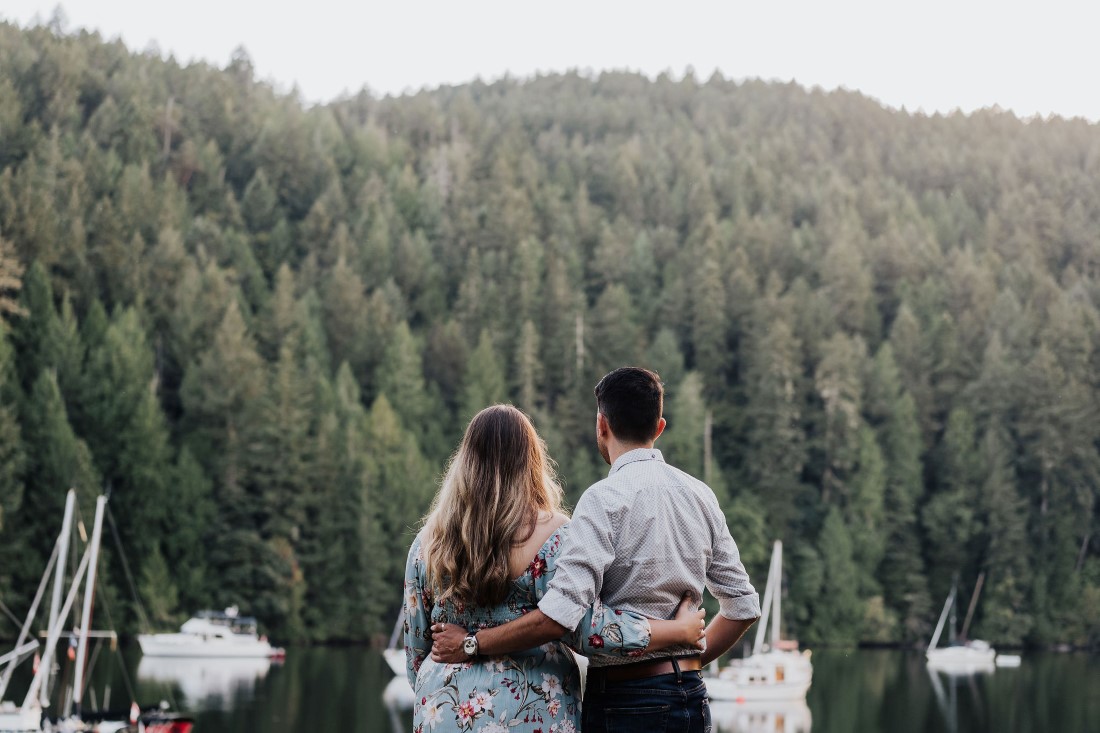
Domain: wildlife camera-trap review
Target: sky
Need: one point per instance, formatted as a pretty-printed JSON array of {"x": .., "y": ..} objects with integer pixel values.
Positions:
[{"x": 1033, "y": 58}]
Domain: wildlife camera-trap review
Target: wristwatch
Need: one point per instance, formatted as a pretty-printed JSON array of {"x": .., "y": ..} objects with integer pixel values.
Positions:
[{"x": 469, "y": 645}]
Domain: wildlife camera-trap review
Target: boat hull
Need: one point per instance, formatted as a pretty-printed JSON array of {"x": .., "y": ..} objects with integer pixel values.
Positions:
[
  {"x": 17, "y": 720},
  {"x": 771, "y": 676},
  {"x": 395, "y": 658},
  {"x": 961, "y": 659},
  {"x": 187, "y": 645},
  {"x": 731, "y": 691}
]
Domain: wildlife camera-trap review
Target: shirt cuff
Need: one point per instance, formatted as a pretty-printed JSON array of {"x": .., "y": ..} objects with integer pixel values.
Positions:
[
  {"x": 741, "y": 608},
  {"x": 562, "y": 609}
]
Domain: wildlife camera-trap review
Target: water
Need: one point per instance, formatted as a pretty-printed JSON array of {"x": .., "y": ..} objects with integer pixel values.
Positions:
[{"x": 341, "y": 690}]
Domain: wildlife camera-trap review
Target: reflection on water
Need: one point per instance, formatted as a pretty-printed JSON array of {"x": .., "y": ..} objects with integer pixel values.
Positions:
[
  {"x": 762, "y": 717},
  {"x": 352, "y": 690},
  {"x": 205, "y": 684}
]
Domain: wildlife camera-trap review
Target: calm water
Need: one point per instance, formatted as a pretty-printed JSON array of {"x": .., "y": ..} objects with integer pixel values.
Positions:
[{"x": 341, "y": 690}]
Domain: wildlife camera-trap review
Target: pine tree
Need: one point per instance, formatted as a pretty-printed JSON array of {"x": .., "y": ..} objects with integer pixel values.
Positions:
[
  {"x": 1005, "y": 616},
  {"x": 682, "y": 441},
  {"x": 528, "y": 370},
  {"x": 949, "y": 518},
  {"x": 485, "y": 382},
  {"x": 12, "y": 457},
  {"x": 775, "y": 451},
  {"x": 401, "y": 379},
  {"x": 401, "y": 483},
  {"x": 901, "y": 572}
]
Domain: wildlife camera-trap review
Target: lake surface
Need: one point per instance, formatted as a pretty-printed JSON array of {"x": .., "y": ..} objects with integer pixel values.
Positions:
[{"x": 342, "y": 689}]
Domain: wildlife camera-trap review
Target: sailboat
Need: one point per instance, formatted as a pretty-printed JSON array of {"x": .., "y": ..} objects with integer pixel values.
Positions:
[
  {"x": 960, "y": 656},
  {"x": 31, "y": 716},
  {"x": 776, "y": 670}
]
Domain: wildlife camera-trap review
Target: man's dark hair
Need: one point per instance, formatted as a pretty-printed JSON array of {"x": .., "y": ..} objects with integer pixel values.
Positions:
[{"x": 631, "y": 398}]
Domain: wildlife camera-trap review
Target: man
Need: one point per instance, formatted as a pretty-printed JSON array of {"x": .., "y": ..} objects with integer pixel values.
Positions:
[{"x": 639, "y": 540}]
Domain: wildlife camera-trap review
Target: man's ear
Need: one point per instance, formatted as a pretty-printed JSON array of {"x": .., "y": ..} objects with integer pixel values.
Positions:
[
  {"x": 660, "y": 428},
  {"x": 603, "y": 427}
]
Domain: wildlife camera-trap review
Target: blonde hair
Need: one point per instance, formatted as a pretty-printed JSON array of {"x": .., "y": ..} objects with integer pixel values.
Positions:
[{"x": 496, "y": 484}]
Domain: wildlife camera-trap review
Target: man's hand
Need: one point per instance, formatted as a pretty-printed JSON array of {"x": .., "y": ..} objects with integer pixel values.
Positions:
[{"x": 447, "y": 643}]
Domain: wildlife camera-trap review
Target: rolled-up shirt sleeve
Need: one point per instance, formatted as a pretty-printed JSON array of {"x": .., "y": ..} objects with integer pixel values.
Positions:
[
  {"x": 728, "y": 581},
  {"x": 581, "y": 566}
]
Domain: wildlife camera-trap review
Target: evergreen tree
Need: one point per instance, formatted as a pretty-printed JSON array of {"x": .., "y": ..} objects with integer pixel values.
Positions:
[
  {"x": 485, "y": 382},
  {"x": 402, "y": 485},
  {"x": 401, "y": 379}
]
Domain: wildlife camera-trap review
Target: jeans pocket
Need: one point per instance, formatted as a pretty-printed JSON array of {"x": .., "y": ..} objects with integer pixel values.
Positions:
[{"x": 637, "y": 719}]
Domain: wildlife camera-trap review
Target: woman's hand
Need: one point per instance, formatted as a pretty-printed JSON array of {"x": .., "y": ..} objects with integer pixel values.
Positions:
[
  {"x": 691, "y": 623},
  {"x": 686, "y": 628},
  {"x": 447, "y": 642}
]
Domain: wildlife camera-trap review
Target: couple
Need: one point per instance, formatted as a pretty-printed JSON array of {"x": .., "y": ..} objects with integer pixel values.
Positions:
[{"x": 641, "y": 545}]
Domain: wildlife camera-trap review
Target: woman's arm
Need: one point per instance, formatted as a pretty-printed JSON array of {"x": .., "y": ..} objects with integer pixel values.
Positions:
[{"x": 417, "y": 603}]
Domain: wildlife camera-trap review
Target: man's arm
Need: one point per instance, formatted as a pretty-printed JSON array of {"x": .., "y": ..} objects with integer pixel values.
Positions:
[
  {"x": 722, "y": 634},
  {"x": 728, "y": 581}
]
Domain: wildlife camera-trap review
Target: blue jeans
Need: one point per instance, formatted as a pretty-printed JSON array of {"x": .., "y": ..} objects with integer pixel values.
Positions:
[{"x": 667, "y": 703}]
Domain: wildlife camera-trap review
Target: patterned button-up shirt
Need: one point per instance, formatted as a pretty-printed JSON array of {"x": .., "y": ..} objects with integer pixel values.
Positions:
[{"x": 639, "y": 540}]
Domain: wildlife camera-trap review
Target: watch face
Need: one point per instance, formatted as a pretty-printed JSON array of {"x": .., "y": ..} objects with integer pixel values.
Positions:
[{"x": 470, "y": 646}]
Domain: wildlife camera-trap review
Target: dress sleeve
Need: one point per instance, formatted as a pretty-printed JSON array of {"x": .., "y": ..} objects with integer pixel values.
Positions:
[
  {"x": 418, "y": 621},
  {"x": 601, "y": 630},
  {"x": 582, "y": 563}
]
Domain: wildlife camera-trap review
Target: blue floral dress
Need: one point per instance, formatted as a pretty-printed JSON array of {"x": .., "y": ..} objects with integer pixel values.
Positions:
[{"x": 533, "y": 691}]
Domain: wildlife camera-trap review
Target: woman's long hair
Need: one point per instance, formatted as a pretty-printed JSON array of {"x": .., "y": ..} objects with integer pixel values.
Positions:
[{"x": 496, "y": 484}]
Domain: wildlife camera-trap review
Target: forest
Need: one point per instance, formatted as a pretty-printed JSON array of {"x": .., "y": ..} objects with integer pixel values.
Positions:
[{"x": 262, "y": 325}]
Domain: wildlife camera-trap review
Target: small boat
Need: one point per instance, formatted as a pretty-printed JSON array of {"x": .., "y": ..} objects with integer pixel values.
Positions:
[
  {"x": 212, "y": 634},
  {"x": 1008, "y": 660},
  {"x": 961, "y": 656},
  {"x": 776, "y": 670}
]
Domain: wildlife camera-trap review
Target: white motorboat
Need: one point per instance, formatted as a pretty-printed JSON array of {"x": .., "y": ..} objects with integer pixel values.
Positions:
[
  {"x": 211, "y": 634},
  {"x": 960, "y": 656},
  {"x": 776, "y": 670}
]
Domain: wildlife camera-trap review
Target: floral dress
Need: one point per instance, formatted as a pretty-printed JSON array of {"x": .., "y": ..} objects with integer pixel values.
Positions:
[{"x": 533, "y": 691}]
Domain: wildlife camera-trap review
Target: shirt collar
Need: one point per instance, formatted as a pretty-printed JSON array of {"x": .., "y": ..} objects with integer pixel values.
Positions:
[{"x": 633, "y": 456}]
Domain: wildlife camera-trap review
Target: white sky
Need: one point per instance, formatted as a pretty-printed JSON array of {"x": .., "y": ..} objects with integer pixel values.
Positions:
[{"x": 936, "y": 55}]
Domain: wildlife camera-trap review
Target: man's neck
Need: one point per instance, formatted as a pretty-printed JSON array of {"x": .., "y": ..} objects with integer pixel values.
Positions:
[{"x": 615, "y": 449}]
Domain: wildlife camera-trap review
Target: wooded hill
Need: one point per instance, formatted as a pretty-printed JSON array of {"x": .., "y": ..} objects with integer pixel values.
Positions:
[{"x": 262, "y": 326}]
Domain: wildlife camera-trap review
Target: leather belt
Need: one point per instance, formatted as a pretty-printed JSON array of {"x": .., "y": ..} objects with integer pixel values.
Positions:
[{"x": 641, "y": 670}]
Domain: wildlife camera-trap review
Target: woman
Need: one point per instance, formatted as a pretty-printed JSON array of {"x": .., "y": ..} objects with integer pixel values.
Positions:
[{"x": 486, "y": 555}]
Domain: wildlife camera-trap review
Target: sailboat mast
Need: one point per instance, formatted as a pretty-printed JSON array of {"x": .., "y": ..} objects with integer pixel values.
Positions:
[
  {"x": 769, "y": 604},
  {"x": 16, "y": 655},
  {"x": 943, "y": 617},
  {"x": 954, "y": 617},
  {"x": 52, "y": 635},
  {"x": 59, "y": 578},
  {"x": 777, "y": 568},
  {"x": 86, "y": 615},
  {"x": 973, "y": 604}
]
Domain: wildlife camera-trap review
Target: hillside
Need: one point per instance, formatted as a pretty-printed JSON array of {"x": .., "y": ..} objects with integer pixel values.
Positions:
[{"x": 264, "y": 326}]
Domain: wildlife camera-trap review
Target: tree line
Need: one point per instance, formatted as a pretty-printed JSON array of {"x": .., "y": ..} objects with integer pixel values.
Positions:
[{"x": 262, "y": 326}]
